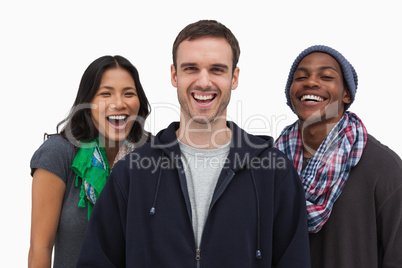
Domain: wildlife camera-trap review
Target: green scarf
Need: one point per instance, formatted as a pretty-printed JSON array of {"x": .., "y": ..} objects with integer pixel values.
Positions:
[{"x": 91, "y": 165}]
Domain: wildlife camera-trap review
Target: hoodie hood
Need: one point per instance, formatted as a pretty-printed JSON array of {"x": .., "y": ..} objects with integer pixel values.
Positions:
[{"x": 243, "y": 146}]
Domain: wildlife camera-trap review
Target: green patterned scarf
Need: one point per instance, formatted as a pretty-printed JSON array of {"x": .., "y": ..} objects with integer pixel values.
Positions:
[{"x": 91, "y": 165}]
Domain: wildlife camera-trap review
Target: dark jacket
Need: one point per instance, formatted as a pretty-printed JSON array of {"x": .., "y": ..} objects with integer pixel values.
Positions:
[
  {"x": 365, "y": 226},
  {"x": 257, "y": 216}
]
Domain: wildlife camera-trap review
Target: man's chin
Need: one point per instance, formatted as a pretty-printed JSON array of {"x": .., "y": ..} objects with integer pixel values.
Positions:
[
  {"x": 202, "y": 120},
  {"x": 311, "y": 118}
]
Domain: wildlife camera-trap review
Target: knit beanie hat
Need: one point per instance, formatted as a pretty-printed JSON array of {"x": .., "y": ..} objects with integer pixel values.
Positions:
[{"x": 349, "y": 73}]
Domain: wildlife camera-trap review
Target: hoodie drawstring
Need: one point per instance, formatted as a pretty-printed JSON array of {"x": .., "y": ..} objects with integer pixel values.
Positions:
[
  {"x": 153, "y": 209},
  {"x": 258, "y": 251}
]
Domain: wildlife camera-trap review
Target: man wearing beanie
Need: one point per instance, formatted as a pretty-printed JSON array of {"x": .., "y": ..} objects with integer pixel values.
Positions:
[{"x": 352, "y": 183}]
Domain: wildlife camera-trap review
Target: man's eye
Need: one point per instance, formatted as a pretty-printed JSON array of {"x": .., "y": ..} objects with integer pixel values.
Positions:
[
  {"x": 190, "y": 69},
  {"x": 300, "y": 78},
  {"x": 217, "y": 70},
  {"x": 326, "y": 77}
]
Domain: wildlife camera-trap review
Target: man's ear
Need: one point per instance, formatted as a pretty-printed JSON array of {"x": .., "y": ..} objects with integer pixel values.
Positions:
[
  {"x": 235, "y": 78},
  {"x": 173, "y": 75},
  {"x": 346, "y": 96}
]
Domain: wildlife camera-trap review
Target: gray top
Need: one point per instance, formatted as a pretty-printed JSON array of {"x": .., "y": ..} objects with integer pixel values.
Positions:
[
  {"x": 56, "y": 155},
  {"x": 365, "y": 226},
  {"x": 202, "y": 168}
]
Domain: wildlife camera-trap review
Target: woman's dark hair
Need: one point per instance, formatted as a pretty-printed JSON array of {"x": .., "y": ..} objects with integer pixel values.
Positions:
[{"x": 78, "y": 125}]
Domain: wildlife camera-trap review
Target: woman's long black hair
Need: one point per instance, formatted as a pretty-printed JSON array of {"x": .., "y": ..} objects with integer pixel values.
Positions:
[{"x": 78, "y": 125}]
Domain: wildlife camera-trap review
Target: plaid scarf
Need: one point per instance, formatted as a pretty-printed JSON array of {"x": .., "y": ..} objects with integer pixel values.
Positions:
[
  {"x": 91, "y": 165},
  {"x": 326, "y": 173}
]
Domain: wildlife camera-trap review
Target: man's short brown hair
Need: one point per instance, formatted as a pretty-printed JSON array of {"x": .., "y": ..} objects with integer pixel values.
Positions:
[{"x": 207, "y": 28}]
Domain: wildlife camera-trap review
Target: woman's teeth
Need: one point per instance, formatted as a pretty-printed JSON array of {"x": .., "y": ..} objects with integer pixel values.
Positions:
[
  {"x": 118, "y": 121},
  {"x": 117, "y": 117}
]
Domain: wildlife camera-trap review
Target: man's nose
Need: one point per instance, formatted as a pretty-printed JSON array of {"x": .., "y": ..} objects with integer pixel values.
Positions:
[
  {"x": 204, "y": 79},
  {"x": 313, "y": 82}
]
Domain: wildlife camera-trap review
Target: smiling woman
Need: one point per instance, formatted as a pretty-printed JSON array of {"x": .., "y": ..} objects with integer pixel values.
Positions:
[
  {"x": 115, "y": 106},
  {"x": 70, "y": 168}
]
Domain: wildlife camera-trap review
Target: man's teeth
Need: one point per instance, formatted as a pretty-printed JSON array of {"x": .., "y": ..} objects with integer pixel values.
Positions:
[
  {"x": 203, "y": 97},
  {"x": 311, "y": 98},
  {"x": 118, "y": 117}
]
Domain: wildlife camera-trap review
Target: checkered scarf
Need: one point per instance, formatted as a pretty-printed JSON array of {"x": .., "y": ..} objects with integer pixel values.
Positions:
[{"x": 326, "y": 173}]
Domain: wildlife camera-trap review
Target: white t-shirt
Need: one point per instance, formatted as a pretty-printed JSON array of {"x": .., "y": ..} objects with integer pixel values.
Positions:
[{"x": 202, "y": 168}]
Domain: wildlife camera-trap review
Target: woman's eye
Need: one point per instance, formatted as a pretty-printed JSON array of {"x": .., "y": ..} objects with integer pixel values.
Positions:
[
  {"x": 105, "y": 93},
  {"x": 130, "y": 94}
]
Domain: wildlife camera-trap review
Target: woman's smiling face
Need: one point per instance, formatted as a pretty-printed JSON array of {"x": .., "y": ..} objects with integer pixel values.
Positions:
[{"x": 115, "y": 105}]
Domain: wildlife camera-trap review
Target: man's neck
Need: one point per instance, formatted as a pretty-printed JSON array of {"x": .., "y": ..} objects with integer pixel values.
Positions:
[
  {"x": 313, "y": 135},
  {"x": 204, "y": 136}
]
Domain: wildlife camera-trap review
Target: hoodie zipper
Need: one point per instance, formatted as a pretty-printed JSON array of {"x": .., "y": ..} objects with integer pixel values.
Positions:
[
  {"x": 221, "y": 189},
  {"x": 228, "y": 178},
  {"x": 198, "y": 257}
]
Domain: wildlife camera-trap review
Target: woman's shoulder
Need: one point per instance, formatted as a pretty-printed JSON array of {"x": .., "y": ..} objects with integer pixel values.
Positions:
[
  {"x": 57, "y": 144},
  {"x": 56, "y": 153}
]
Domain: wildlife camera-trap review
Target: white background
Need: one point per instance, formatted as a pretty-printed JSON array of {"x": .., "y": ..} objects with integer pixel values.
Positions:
[{"x": 47, "y": 45}]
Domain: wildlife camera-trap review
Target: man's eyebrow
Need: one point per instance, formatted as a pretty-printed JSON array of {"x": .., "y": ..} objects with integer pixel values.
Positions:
[
  {"x": 187, "y": 64},
  {"x": 223, "y": 66},
  {"x": 192, "y": 64},
  {"x": 302, "y": 69},
  {"x": 328, "y": 67},
  {"x": 320, "y": 68}
]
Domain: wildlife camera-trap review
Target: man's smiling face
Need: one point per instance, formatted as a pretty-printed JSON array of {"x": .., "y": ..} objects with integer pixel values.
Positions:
[
  {"x": 204, "y": 78},
  {"x": 318, "y": 92}
]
